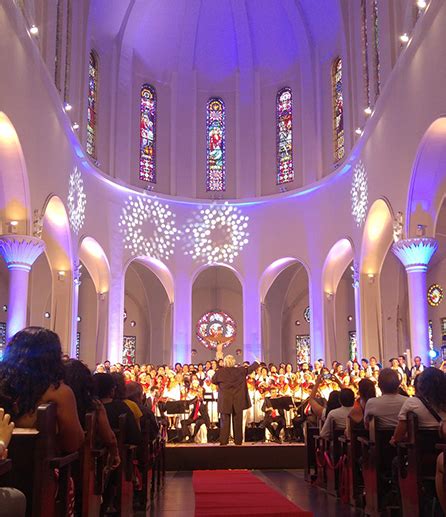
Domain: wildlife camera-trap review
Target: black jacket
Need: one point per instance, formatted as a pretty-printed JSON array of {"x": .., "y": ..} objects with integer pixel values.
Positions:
[{"x": 232, "y": 389}]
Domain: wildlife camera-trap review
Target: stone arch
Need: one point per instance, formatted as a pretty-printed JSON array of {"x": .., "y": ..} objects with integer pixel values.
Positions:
[
  {"x": 14, "y": 183},
  {"x": 428, "y": 182}
]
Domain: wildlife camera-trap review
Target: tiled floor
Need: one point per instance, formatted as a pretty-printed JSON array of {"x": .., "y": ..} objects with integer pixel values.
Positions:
[{"x": 177, "y": 498}]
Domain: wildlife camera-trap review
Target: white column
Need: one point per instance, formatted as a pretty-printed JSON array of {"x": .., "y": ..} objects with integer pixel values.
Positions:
[
  {"x": 252, "y": 320},
  {"x": 415, "y": 254},
  {"x": 20, "y": 252},
  {"x": 317, "y": 326},
  {"x": 115, "y": 312},
  {"x": 356, "y": 275},
  {"x": 182, "y": 319},
  {"x": 101, "y": 329}
]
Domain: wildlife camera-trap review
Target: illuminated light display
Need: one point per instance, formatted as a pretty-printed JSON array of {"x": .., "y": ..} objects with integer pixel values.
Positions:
[
  {"x": 214, "y": 328},
  {"x": 359, "y": 194},
  {"x": 217, "y": 234},
  {"x": 140, "y": 212},
  {"x": 76, "y": 201},
  {"x": 435, "y": 295}
]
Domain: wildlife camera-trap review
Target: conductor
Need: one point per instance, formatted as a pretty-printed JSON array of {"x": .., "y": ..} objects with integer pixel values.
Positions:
[{"x": 233, "y": 397}]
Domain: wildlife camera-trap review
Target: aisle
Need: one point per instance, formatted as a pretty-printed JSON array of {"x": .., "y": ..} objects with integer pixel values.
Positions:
[{"x": 177, "y": 497}]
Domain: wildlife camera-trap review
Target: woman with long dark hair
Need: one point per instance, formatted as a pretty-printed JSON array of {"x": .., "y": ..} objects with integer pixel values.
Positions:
[
  {"x": 32, "y": 373},
  {"x": 80, "y": 380}
]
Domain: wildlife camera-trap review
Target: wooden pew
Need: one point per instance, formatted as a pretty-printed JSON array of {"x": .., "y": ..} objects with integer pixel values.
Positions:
[
  {"x": 320, "y": 448},
  {"x": 91, "y": 468},
  {"x": 417, "y": 459},
  {"x": 310, "y": 469},
  {"x": 34, "y": 459},
  {"x": 5, "y": 466},
  {"x": 146, "y": 455},
  {"x": 333, "y": 456},
  {"x": 352, "y": 452},
  {"x": 377, "y": 456},
  {"x": 123, "y": 475}
]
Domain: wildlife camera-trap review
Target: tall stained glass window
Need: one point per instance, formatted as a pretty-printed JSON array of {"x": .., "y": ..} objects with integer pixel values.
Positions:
[
  {"x": 92, "y": 107},
  {"x": 147, "y": 171},
  {"x": 376, "y": 64},
  {"x": 338, "y": 110},
  {"x": 215, "y": 146},
  {"x": 58, "y": 54},
  {"x": 284, "y": 113},
  {"x": 365, "y": 51}
]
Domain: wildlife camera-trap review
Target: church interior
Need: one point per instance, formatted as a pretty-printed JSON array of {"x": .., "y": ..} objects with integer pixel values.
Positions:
[{"x": 186, "y": 180}]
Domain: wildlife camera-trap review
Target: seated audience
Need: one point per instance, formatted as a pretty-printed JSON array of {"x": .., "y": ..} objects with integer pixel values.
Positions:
[
  {"x": 80, "y": 380},
  {"x": 339, "y": 415},
  {"x": 105, "y": 388},
  {"x": 366, "y": 391},
  {"x": 31, "y": 374},
  {"x": 429, "y": 404},
  {"x": 386, "y": 407}
]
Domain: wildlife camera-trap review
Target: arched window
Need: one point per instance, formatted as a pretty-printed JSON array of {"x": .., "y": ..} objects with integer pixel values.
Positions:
[
  {"x": 147, "y": 133},
  {"x": 215, "y": 145},
  {"x": 92, "y": 107},
  {"x": 338, "y": 110},
  {"x": 284, "y": 125}
]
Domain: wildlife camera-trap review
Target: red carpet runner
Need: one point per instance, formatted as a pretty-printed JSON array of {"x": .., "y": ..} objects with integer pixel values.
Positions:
[{"x": 239, "y": 492}]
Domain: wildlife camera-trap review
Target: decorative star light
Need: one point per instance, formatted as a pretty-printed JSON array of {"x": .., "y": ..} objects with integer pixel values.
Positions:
[
  {"x": 77, "y": 200},
  {"x": 217, "y": 234},
  {"x": 359, "y": 193},
  {"x": 135, "y": 214}
]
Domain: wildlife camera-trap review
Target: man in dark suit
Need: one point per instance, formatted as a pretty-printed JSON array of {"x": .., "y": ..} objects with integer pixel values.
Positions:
[{"x": 233, "y": 397}]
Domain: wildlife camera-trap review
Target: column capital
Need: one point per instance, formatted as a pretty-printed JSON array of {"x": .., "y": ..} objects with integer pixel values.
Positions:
[
  {"x": 20, "y": 251},
  {"x": 416, "y": 253}
]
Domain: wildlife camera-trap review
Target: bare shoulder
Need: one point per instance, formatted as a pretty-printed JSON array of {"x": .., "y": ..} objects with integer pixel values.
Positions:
[{"x": 59, "y": 393}]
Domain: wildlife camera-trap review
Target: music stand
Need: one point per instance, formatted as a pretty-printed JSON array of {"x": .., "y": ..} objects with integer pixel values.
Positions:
[
  {"x": 285, "y": 403},
  {"x": 178, "y": 407}
]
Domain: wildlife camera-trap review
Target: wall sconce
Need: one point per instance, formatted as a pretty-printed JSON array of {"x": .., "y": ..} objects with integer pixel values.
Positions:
[
  {"x": 349, "y": 317},
  {"x": 5, "y": 308},
  {"x": 79, "y": 319},
  {"x": 102, "y": 296},
  {"x": 297, "y": 323},
  {"x": 329, "y": 296},
  {"x": 371, "y": 278},
  {"x": 47, "y": 315},
  {"x": 61, "y": 275},
  {"x": 133, "y": 323},
  {"x": 12, "y": 227}
]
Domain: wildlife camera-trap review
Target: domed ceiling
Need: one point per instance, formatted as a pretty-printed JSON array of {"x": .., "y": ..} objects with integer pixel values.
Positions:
[{"x": 218, "y": 38}]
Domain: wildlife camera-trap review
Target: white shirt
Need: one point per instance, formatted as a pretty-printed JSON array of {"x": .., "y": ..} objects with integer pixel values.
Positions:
[
  {"x": 425, "y": 418},
  {"x": 339, "y": 417},
  {"x": 385, "y": 408}
]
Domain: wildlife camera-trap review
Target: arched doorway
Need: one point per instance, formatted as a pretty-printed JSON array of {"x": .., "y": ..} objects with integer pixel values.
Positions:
[
  {"x": 147, "y": 336},
  {"x": 339, "y": 303},
  {"x": 217, "y": 296},
  {"x": 286, "y": 318}
]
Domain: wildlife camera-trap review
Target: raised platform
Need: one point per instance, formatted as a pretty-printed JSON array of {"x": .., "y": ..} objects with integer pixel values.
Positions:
[{"x": 250, "y": 455}]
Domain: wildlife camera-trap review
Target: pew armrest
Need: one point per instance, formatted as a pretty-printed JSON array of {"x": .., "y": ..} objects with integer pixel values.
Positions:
[
  {"x": 63, "y": 461},
  {"x": 5, "y": 466}
]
